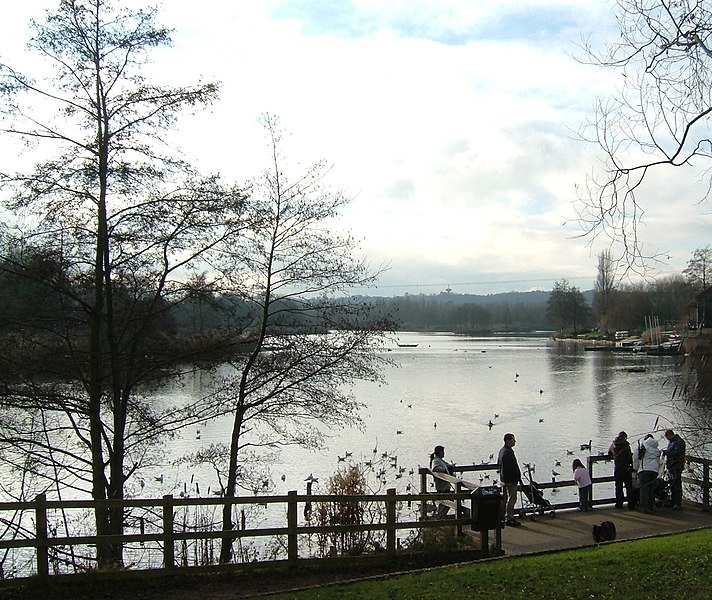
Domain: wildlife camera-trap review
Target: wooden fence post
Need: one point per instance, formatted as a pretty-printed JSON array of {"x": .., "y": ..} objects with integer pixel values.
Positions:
[
  {"x": 423, "y": 490},
  {"x": 391, "y": 522},
  {"x": 41, "y": 531},
  {"x": 705, "y": 486},
  {"x": 589, "y": 466},
  {"x": 484, "y": 541},
  {"x": 292, "y": 528},
  {"x": 168, "y": 541},
  {"x": 458, "y": 508}
]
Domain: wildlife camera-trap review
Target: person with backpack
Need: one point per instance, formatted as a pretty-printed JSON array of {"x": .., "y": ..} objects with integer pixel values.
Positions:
[
  {"x": 675, "y": 459},
  {"x": 647, "y": 459},
  {"x": 622, "y": 470}
]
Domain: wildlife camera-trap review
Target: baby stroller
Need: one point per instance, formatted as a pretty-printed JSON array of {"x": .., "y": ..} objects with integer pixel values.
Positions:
[
  {"x": 661, "y": 490},
  {"x": 535, "y": 502}
]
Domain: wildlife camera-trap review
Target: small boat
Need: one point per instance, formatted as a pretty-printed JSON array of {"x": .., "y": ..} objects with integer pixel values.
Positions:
[
  {"x": 670, "y": 348},
  {"x": 407, "y": 345}
]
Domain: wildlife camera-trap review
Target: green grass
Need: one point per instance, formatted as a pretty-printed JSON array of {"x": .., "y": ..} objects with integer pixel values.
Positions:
[{"x": 676, "y": 566}]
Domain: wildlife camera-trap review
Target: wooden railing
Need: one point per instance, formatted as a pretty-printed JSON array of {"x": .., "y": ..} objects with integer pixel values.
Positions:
[
  {"x": 165, "y": 509},
  {"x": 42, "y": 540},
  {"x": 701, "y": 481}
]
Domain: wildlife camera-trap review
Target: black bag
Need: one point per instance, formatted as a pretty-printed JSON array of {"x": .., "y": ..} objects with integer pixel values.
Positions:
[
  {"x": 641, "y": 452},
  {"x": 605, "y": 532}
]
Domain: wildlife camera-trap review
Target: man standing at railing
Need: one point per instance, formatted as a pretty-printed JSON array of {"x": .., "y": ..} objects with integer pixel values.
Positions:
[
  {"x": 510, "y": 476},
  {"x": 675, "y": 459}
]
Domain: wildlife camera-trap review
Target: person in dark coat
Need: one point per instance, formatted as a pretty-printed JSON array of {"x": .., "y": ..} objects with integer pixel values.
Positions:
[
  {"x": 510, "y": 476},
  {"x": 623, "y": 470},
  {"x": 675, "y": 462}
]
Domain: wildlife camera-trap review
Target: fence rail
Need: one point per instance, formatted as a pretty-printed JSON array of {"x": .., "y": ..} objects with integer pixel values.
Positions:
[{"x": 41, "y": 540}]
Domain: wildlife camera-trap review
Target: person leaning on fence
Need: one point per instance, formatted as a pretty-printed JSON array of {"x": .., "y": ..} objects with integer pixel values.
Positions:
[
  {"x": 584, "y": 484},
  {"x": 509, "y": 476},
  {"x": 438, "y": 464},
  {"x": 675, "y": 462},
  {"x": 647, "y": 459},
  {"x": 622, "y": 469}
]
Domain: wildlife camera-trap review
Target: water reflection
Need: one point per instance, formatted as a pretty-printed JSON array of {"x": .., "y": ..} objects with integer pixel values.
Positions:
[{"x": 602, "y": 369}]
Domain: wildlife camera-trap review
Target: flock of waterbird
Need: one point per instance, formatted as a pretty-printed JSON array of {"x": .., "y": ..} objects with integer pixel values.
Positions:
[
  {"x": 388, "y": 466},
  {"x": 383, "y": 466}
]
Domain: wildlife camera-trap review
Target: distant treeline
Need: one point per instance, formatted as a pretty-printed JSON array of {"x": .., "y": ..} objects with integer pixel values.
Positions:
[
  {"x": 459, "y": 313},
  {"x": 466, "y": 313},
  {"x": 28, "y": 301}
]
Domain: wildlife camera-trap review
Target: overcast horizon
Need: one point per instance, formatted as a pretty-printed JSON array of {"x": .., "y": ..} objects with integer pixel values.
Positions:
[{"x": 452, "y": 125}]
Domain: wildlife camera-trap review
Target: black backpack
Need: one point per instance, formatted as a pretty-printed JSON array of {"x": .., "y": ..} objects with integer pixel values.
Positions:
[{"x": 605, "y": 532}]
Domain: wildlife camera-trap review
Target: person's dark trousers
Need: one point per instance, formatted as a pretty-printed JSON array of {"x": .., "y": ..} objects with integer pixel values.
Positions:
[
  {"x": 647, "y": 489},
  {"x": 676, "y": 488},
  {"x": 624, "y": 481},
  {"x": 584, "y": 495}
]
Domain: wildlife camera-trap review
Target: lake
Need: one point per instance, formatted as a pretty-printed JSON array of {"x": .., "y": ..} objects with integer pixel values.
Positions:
[{"x": 445, "y": 389}]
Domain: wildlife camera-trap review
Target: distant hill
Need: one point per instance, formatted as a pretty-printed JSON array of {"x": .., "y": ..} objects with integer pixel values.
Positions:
[
  {"x": 468, "y": 313},
  {"x": 534, "y": 298}
]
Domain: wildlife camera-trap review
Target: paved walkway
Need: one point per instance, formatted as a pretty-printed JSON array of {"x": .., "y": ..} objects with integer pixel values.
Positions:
[{"x": 573, "y": 529}]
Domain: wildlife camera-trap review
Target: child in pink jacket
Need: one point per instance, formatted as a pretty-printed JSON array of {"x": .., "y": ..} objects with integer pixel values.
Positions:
[{"x": 583, "y": 481}]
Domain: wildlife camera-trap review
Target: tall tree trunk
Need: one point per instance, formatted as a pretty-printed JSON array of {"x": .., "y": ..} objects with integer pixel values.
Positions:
[
  {"x": 104, "y": 553},
  {"x": 109, "y": 520},
  {"x": 227, "y": 522}
]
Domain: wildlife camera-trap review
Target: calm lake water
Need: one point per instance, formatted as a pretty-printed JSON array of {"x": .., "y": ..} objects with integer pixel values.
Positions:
[{"x": 554, "y": 396}]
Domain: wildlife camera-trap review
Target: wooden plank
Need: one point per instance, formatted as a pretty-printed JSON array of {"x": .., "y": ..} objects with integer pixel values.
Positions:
[
  {"x": 41, "y": 536},
  {"x": 292, "y": 529},
  {"x": 455, "y": 480},
  {"x": 169, "y": 561},
  {"x": 452, "y": 504},
  {"x": 572, "y": 528}
]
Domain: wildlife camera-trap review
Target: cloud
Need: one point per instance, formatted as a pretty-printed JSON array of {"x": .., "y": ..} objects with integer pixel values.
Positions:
[
  {"x": 451, "y": 124},
  {"x": 448, "y": 22}
]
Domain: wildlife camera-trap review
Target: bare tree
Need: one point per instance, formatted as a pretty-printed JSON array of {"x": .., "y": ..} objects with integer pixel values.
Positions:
[
  {"x": 298, "y": 377},
  {"x": 660, "y": 118},
  {"x": 566, "y": 307},
  {"x": 605, "y": 286},
  {"x": 109, "y": 225},
  {"x": 699, "y": 268}
]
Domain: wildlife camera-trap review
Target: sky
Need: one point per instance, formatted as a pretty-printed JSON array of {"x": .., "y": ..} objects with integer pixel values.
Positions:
[{"x": 452, "y": 124}]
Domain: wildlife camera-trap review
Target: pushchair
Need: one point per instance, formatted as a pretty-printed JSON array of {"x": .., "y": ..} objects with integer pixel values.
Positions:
[
  {"x": 533, "y": 501},
  {"x": 661, "y": 491}
]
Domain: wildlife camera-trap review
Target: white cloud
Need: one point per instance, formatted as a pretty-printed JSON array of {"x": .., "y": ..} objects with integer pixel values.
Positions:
[{"x": 450, "y": 123}]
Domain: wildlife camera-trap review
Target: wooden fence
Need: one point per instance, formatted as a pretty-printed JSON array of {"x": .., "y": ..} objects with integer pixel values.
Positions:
[{"x": 42, "y": 540}]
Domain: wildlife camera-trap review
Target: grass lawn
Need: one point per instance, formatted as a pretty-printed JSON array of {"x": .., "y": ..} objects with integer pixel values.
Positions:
[{"x": 677, "y": 566}]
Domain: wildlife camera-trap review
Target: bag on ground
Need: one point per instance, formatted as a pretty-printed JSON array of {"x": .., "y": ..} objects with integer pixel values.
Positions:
[{"x": 604, "y": 532}]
